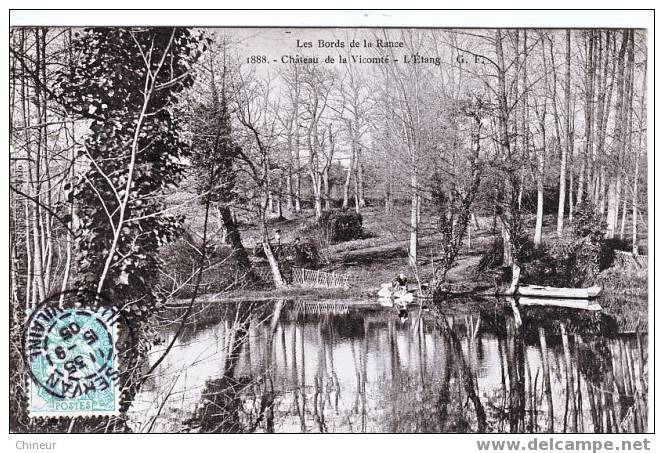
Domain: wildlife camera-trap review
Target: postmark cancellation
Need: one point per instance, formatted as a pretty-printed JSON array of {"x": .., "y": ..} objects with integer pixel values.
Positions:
[{"x": 69, "y": 347}]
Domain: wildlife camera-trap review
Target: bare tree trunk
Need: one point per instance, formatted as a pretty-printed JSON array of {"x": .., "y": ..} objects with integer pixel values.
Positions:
[
  {"x": 356, "y": 196},
  {"x": 637, "y": 158},
  {"x": 541, "y": 155},
  {"x": 635, "y": 187},
  {"x": 298, "y": 183},
  {"x": 360, "y": 178},
  {"x": 34, "y": 176},
  {"x": 294, "y": 138},
  {"x": 326, "y": 187},
  {"x": 349, "y": 173},
  {"x": 280, "y": 211},
  {"x": 414, "y": 226},
  {"x": 602, "y": 190},
  {"x": 619, "y": 195},
  {"x": 600, "y": 131},
  {"x": 315, "y": 175},
  {"x": 268, "y": 184},
  {"x": 290, "y": 198},
  {"x": 48, "y": 220},
  {"x": 618, "y": 141},
  {"x": 609, "y": 205},
  {"x": 567, "y": 147},
  {"x": 318, "y": 205},
  {"x": 14, "y": 263},
  {"x": 603, "y": 119},
  {"x": 584, "y": 171},
  {"x": 267, "y": 247},
  {"x": 507, "y": 216},
  {"x": 540, "y": 198},
  {"x": 524, "y": 117},
  {"x": 624, "y": 218},
  {"x": 389, "y": 202},
  {"x": 571, "y": 192},
  {"x": 628, "y": 112},
  {"x": 29, "y": 302},
  {"x": 25, "y": 110}
]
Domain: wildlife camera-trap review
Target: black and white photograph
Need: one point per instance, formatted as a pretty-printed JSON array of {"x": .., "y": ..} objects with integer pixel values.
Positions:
[{"x": 308, "y": 229}]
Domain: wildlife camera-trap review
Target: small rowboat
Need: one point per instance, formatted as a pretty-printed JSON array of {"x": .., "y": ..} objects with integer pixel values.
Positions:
[{"x": 558, "y": 293}]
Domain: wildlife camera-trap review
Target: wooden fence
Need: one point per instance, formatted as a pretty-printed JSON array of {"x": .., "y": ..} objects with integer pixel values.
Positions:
[
  {"x": 319, "y": 279},
  {"x": 628, "y": 260},
  {"x": 265, "y": 274}
]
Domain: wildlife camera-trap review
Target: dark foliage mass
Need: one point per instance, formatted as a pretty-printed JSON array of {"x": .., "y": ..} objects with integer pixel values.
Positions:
[
  {"x": 126, "y": 82},
  {"x": 115, "y": 72},
  {"x": 340, "y": 226},
  {"x": 575, "y": 261}
]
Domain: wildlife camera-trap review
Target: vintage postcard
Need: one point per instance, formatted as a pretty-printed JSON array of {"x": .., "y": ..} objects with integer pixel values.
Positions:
[{"x": 223, "y": 228}]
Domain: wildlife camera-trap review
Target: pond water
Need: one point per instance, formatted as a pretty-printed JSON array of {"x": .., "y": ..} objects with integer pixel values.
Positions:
[{"x": 346, "y": 366}]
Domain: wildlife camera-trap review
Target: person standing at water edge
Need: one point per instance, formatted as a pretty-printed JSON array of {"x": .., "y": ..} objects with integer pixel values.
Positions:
[{"x": 400, "y": 282}]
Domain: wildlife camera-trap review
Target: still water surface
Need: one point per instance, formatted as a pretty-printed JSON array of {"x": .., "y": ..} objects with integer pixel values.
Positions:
[{"x": 345, "y": 366}]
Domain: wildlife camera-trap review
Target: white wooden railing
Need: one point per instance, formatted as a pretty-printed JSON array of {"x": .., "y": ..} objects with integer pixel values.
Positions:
[{"x": 319, "y": 279}]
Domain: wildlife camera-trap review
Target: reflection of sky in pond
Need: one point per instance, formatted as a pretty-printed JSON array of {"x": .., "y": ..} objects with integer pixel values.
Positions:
[{"x": 366, "y": 371}]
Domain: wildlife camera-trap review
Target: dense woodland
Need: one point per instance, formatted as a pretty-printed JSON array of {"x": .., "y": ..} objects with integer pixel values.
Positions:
[{"x": 117, "y": 133}]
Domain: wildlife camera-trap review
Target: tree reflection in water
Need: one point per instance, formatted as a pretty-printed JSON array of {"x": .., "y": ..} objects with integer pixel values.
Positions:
[{"x": 286, "y": 369}]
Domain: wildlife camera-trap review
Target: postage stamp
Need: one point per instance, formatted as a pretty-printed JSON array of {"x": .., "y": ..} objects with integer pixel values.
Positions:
[{"x": 69, "y": 345}]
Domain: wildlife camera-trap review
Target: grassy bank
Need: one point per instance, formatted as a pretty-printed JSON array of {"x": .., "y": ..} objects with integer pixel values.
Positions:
[{"x": 382, "y": 253}]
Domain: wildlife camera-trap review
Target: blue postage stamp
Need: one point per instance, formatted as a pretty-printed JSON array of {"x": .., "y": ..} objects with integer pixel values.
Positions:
[{"x": 69, "y": 347}]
